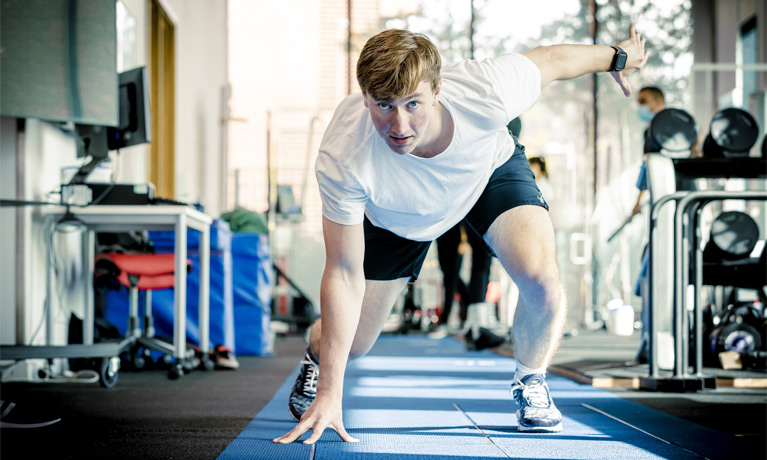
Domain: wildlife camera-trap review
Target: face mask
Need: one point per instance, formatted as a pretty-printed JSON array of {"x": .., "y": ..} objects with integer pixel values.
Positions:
[{"x": 645, "y": 114}]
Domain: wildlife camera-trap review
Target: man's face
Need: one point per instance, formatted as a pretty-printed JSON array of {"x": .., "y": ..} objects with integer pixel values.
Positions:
[
  {"x": 650, "y": 100},
  {"x": 402, "y": 123}
]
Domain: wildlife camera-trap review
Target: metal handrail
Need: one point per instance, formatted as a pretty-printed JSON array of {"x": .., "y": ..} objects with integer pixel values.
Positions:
[{"x": 654, "y": 211}]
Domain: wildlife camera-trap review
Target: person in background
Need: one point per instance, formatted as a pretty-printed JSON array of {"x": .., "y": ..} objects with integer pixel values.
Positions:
[
  {"x": 538, "y": 166},
  {"x": 451, "y": 247},
  {"x": 651, "y": 101}
]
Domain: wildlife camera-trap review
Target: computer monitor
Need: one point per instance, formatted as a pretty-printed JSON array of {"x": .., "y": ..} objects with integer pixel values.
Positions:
[{"x": 133, "y": 127}]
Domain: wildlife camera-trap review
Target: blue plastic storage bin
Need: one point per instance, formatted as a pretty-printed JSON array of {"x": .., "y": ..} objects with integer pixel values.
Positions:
[
  {"x": 252, "y": 281},
  {"x": 221, "y": 312}
]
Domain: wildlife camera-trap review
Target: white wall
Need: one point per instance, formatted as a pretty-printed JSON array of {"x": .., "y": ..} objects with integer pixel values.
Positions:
[
  {"x": 46, "y": 150},
  {"x": 201, "y": 73}
]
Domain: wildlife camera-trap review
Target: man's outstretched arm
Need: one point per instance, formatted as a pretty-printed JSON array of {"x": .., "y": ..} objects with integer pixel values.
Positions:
[
  {"x": 341, "y": 293},
  {"x": 563, "y": 62}
]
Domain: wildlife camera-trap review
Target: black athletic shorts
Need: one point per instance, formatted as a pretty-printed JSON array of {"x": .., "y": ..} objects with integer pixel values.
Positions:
[{"x": 390, "y": 257}]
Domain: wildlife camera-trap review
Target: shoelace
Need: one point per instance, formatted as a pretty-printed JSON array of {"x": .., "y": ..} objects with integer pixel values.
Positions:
[
  {"x": 310, "y": 382},
  {"x": 536, "y": 396}
]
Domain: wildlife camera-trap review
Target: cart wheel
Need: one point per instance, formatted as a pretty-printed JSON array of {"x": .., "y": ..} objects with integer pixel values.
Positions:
[
  {"x": 108, "y": 372},
  {"x": 148, "y": 361},
  {"x": 190, "y": 364},
  {"x": 165, "y": 362},
  {"x": 176, "y": 371},
  {"x": 138, "y": 362}
]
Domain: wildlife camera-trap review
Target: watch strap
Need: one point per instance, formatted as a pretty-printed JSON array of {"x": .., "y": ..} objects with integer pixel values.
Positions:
[{"x": 618, "y": 52}]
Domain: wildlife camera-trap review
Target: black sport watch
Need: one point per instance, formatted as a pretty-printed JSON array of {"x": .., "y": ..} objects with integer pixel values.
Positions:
[{"x": 619, "y": 60}]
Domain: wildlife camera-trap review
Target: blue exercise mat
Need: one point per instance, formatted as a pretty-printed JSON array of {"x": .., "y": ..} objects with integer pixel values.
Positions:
[{"x": 415, "y": 398}]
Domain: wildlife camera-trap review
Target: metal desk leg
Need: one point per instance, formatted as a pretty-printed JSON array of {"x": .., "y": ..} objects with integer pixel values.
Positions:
[
  {"x": 50, "y": 230},
  {"x": 89, "y": 321},
  {"x": 179, "y": 297},
  {"x": 204, "y": 303}
]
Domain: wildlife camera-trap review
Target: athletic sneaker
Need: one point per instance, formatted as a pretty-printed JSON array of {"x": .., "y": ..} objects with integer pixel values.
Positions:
[
  {"x": 535, "y": 409},
  {"x": 305, "y": 389},
  {"x": 484, "y": 338}
]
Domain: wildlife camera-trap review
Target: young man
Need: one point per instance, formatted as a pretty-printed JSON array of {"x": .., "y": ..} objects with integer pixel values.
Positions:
[{"x": 413, "y": 154}]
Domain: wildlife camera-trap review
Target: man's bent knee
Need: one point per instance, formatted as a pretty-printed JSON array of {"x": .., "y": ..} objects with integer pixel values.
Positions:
[
  {"x": 358, "y": 351},
  {"x": 543, "y": 290}
]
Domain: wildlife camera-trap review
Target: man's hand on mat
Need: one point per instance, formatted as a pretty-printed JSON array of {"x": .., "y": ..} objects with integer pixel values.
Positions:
[{"x": 323, "y": 413}]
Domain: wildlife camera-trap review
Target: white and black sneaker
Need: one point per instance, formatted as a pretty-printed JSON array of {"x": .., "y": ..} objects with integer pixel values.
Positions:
[
  {"x": 305, "y": 389},
  {"x": 536, "y": 411}
]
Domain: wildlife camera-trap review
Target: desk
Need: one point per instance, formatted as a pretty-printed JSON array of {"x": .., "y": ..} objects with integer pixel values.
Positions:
[{"x": 121, "y": 219}]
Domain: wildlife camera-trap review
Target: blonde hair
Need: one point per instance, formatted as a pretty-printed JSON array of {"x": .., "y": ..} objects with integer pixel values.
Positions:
[{"x": 394, "y": 62}]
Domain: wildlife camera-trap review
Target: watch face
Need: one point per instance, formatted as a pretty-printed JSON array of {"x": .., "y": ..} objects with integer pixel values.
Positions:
[{"x": 621, "y": 62}]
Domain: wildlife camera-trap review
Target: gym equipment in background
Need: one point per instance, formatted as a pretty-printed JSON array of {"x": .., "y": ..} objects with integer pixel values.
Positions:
[
  {"x": 732, "y": 133},
  {"x": 734, "y": 235},
  {"x": 672, "y": 132},
  {"x": 740, "y": 327}
]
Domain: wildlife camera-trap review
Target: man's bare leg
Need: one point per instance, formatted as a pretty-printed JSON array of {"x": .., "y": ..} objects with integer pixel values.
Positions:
[
  {"x": 376, "y": 306},
  {"x": 523, "y": 240}
]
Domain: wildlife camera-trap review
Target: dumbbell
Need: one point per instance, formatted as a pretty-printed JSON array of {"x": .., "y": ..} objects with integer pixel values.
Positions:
[
  {"x": 672, "y": 132},
  {"x": 732, "y": 133},
  {"x": 734, "y": 235}
]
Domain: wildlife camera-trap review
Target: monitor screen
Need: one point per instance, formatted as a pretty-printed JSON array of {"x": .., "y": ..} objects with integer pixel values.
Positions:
[
  {"x": 59, "y": 60},
  {"x": 133, "y": 126}
]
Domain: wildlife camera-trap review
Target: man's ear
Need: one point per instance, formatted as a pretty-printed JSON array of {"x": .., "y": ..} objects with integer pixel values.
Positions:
[
  {"x": 436, "y": 91},
  {"x": 365, "y": 99}
]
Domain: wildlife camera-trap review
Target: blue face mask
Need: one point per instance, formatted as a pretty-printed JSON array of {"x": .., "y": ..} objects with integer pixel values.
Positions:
[{"x": 645, "y": 114}]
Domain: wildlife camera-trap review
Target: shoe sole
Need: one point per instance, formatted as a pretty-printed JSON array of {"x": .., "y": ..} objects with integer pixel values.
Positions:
[{"x": 540, "y": 429}]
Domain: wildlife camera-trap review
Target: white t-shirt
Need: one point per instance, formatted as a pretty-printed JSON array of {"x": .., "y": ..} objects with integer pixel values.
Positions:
[{"x": 421, "y": 198}]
